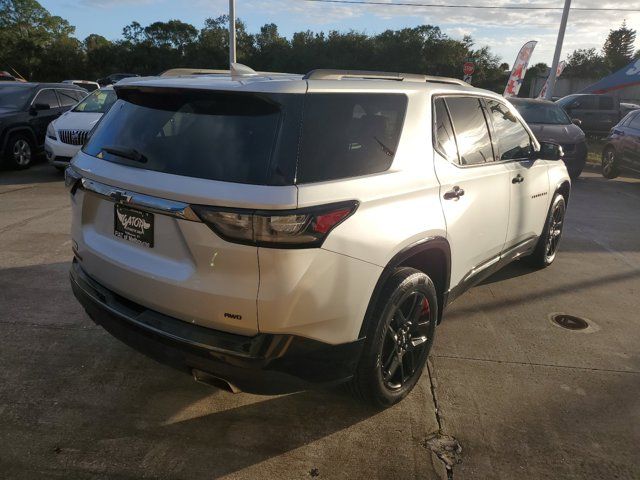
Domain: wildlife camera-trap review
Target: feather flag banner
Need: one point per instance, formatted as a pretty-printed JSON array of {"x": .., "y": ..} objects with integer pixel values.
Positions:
[
  {"x": 559, "y": 71},
  {"x": 519, "y": 69}
]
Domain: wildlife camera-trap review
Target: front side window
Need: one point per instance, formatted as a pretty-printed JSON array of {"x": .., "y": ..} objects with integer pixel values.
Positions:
[
  {"x": 47, "y": 97},
  {"x": 443, "y": 132},
  {"x": 97, "y": 102},
  {"x": 512, "y": 139},
  {"x": 349, "y": 134},
  {"x": 472, "y": 133}
]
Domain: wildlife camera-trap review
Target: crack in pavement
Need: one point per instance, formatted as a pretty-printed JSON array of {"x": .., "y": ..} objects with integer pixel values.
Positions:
[
  {"x": 511, "y": 362},
  {"x": 445, "y": 447}
]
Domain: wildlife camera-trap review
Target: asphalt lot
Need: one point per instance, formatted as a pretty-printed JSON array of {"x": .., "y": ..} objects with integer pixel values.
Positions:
[{"x": 524, "y": 397}]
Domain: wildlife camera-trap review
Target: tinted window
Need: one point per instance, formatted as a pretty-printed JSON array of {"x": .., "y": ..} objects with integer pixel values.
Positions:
[
  {"x": 204, "y": 134},
  {"x": 47, "y": 97},
  {"x": 472, "y": 134},
  {"x": 512, "y": 139},
  {"x": 587, "y": 102},
  {"x": 14, "y": 96},
  {"x": 443, "y": 132},
  {"x": 347, "y": 134},
  {"x": 67, "y": 97},
  {"x": 635, "y": 122},
  {"x": 606, "y": 103},
  {"x": 97, "y": 102}
]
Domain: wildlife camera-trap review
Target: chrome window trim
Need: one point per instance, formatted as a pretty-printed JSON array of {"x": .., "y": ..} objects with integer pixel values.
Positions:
[{"x": 140, "y": 201}]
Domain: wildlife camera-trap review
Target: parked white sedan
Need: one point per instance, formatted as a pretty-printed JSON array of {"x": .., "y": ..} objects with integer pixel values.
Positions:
[{"x": 66, "y": 135}]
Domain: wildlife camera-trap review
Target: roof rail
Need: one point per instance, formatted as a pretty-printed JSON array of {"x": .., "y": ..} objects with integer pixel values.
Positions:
[{"x": 330, "y": 74}]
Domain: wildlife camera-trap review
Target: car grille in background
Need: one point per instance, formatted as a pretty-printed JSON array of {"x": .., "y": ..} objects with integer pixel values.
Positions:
[{"x": 73, "y": 137}]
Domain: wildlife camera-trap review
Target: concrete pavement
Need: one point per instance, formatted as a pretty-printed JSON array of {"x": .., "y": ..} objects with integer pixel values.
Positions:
[{"x": 525, "y": 398}]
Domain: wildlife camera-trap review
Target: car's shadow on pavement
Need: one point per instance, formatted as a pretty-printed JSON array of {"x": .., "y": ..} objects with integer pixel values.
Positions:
[
  {"x": 40, "y": 172},
  {"x": 84, "y": 405}
]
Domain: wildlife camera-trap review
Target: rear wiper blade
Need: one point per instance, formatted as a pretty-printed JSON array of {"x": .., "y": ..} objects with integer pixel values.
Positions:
[
  {"x": 125, "y": 152},
  {"x": 385, "y": 149}
]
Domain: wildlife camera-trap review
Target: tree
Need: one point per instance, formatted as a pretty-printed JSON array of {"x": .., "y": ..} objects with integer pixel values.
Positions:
[
  {"x": 586, "y": 63},
  {"x": 618, "y": 49},
  {"x": 26, "y": 31}
]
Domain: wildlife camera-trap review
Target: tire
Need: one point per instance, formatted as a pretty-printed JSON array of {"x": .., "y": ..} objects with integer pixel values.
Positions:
[
  {"x": 19, "y": 151},
  {"x": 547, "y": 247},
  {"x": 398, "y": 338},
  {"x": 610, "y": 168},
  {"x": 576, "y": 171}
]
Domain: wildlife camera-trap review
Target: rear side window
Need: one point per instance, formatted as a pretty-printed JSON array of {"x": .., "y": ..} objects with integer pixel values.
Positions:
[
  {"x": 349, "y": 134},
  {"x": 223, "y": 136},
  {"x": 472, "y": 133},
  {"x": 635, "y": 122},
  {"x": 443, "y": 132},
  {"x": 606, "y": 103},
  {"x": 512, "y": 139},
  {"x": 47, "y": 97},
  {"x": 67, "y": 97}
]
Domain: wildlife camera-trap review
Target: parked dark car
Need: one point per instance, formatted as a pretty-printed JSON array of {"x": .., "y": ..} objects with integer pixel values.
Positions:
[
  {"x": 25, "y": 112},
  {"x": 550, "y": 123},
  {"x": 114, "y": 78},
  {"x": 622, "y": 148},
  {"x": 598, "y": 113}
]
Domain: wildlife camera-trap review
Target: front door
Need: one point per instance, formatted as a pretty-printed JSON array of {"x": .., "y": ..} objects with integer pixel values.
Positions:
[
  {"x": 474, "y": 190},
  {"x": 41, "y": 118},
  {"x": 528, "y": 178}
]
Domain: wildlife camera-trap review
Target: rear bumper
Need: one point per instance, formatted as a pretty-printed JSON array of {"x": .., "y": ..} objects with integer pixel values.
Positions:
[{"x": 263, "y": 364}]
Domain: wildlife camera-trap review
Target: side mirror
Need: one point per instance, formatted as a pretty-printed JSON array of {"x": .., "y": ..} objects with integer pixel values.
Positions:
[
  {"x": 550, "y": 151},
  {"x": 576, "y": 121},
  {"x": 36, "y": 107}
]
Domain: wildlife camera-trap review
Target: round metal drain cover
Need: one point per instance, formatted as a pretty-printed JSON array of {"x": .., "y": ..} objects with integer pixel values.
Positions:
[{"x": 570, "y": 322}]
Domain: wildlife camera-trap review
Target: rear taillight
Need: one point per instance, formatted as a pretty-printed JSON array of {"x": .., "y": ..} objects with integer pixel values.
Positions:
[{"x": 301, "y": 228}]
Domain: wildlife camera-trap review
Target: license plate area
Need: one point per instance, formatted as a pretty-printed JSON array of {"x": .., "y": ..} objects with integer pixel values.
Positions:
[{"x": 133, "y": 225}]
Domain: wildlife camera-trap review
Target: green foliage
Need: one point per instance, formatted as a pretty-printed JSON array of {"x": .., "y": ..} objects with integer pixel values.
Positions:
[
  {"x": 619, "y": 46},
  {"x": 586, "y": 63}
]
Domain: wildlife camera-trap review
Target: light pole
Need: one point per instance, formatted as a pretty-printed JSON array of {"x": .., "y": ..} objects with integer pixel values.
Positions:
[
  {"x": 232, "y": 32},
  {"x": 556, "y": 55}
]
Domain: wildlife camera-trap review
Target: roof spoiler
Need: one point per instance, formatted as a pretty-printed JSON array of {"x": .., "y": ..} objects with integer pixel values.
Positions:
[{"x": 330, "y": 74}]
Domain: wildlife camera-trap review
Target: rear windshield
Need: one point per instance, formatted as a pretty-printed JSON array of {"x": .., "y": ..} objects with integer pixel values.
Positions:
[{"x": 265, "y": 139}]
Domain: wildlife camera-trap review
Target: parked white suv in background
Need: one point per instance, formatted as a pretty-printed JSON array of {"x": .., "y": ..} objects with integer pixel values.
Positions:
[
  {"x": 270, "y": 233},
  {"x": 66, "y": 134}
]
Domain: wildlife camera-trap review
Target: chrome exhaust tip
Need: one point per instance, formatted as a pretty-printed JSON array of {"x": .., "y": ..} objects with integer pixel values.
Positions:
[{"x": 212, "y": 380}]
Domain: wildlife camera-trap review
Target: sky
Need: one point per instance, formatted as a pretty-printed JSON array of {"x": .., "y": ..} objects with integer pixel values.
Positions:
[{"x": 503, "y": 31}]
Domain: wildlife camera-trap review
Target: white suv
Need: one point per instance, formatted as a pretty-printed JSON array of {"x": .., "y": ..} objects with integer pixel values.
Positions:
[{"x": 273, "y": 232}]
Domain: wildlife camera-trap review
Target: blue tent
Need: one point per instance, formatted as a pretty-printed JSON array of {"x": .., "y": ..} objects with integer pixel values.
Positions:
[{"x": 625, "y": 77}]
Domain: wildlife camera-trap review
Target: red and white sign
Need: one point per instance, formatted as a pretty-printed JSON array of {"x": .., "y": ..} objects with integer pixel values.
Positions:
[{"x": 468, "y": 68}]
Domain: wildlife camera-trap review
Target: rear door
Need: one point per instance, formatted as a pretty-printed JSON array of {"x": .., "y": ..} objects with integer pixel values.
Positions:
[
  {"x": 474, "y": 189},
  {"x": 528, "y": 179}
]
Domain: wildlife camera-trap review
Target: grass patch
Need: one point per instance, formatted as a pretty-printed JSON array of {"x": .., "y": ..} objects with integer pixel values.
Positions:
[{"x": 594, "y": 150}]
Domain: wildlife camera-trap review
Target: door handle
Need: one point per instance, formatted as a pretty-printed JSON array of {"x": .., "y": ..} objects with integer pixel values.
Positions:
[
  {"x": 456, "y": 192},
  {"x": 517, "y": 179}
]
